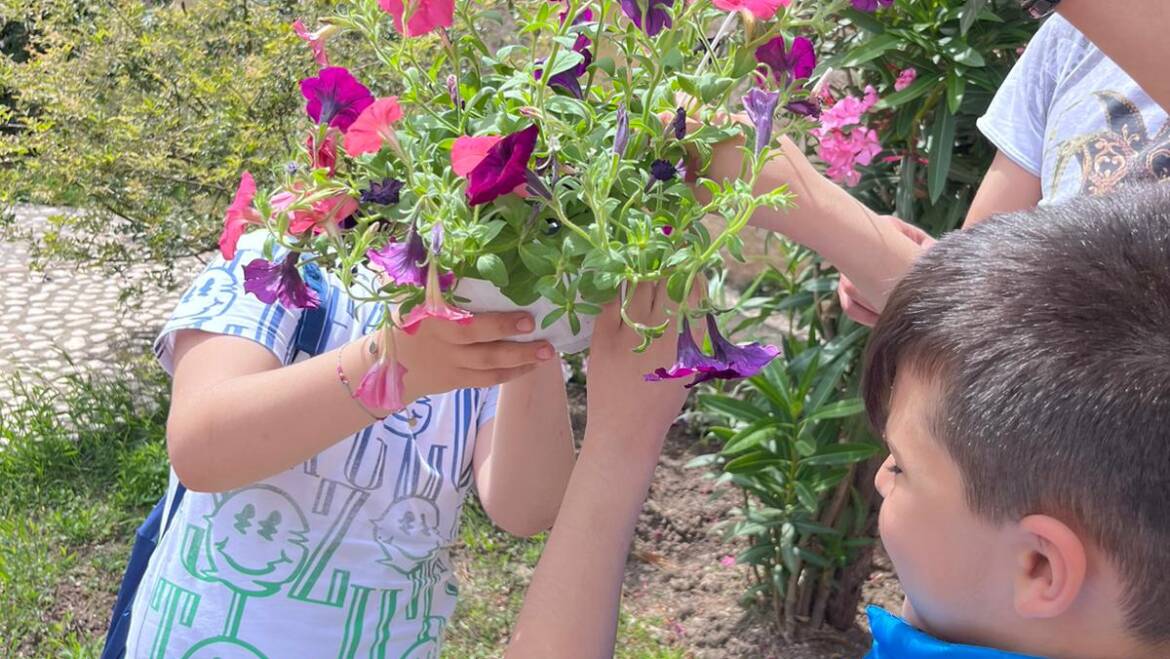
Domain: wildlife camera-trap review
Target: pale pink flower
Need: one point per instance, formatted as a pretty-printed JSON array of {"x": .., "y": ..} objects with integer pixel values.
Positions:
[
  {"x": 434, "y": 306},
  {"x": 727, "y": 561},
  {"x": 373, "y": 128},
  {"x": 316, "y": 40}
]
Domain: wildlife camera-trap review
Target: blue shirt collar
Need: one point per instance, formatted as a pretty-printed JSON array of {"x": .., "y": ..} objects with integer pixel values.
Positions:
[{"x": 894, "y": 638}]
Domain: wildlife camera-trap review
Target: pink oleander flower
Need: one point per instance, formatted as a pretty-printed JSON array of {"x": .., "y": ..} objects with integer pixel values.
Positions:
[
  {"x": 843, "y": 152},
  {"x": 425, "y": 15},
  {"x": 335, "y": 97},
  {"x": 502, "y": 167},
  {"x": 847, "y": 111},
  {"x": 324, "y": 155},
  {"x": 333, "y": 209},
  {"x": 271, "y": 282},
  {"x": 434, "y": 306},
  {"x": 905, "y": 79},
  {"x": 238, "y": 216},
  {"x": 316, "y": 40},
  {"x": 762, "y": 9},
  {"x": 787, "y": 63},
  {"x": 727, "y": 561},
  {"x": 373, "y": 128}
]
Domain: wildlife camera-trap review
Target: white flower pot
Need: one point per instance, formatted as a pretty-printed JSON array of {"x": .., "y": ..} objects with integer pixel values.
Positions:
[{"x": 484, "y": 296}]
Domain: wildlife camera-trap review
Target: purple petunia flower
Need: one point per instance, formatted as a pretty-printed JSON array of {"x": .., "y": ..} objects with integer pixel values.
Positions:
[
  {"x": 503, "y": 168},
  {"x": 384, "y": 192},
  {"x": 270, "y": 282},
  {"x": 405, "y": 262},
  {"x": 728, "y": 362},
  {"x": 655, "y": 13},
  {"x": 621, "y": 136},
  {"x": 871, "y": 5},
  {"x": 335, "y": 97},
  {"x": 662, "y": 170},
  {"x": 805, "y": 108},
  {"x": 678, "y": 125},
  {"x": 794, "y": 63},
  {"x": 761, "y": 107},
  {"x": 568, "y": 79},
  {"x": 583, "y": 17}
]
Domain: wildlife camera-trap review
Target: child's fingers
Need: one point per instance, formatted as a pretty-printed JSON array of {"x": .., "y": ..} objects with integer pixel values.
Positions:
[
  {"x": 852, "y": 304},
  {"x": 487, "y": 327},
  {"x": 490, "y": 378},
  {"x": 504, "y": 355}
]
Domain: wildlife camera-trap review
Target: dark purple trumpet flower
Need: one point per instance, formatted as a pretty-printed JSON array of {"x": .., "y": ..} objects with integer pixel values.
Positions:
[
  {"x": 871, "y": 5},
  {"x": 662, "y": 170},
  {"x": 621, "y": 136},
  {"x": 794, "y": 63},
  {"x": 270, "y": 282},
  {"x": 335, "y": 97},
  {"x": 384, "y": 192},
  {"x": 568, "y": 79},
  {"x": 503, "y": 168},
  {"x": 678, "y": 125},
  {"x": 656, "y": 15},
  {"x": 805, "y": 108},
  {"x": 405, "y": 262},
  {"x": 729, "y": 361},
  {"x": 583, "y": 17},
  {"x": 761, "y": 108}
]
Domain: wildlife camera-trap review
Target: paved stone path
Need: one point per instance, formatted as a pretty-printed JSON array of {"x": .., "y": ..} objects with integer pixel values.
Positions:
[{"x": 66, "y": 314}]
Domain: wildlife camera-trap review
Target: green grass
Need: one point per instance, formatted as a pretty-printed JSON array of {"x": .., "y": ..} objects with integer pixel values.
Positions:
[{"x": 82, "y": 462}]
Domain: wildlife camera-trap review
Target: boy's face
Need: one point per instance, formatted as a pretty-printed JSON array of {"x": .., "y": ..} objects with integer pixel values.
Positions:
[{"x": 954, "y": 566}]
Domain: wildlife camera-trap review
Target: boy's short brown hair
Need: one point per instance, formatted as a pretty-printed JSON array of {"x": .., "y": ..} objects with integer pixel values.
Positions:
[{"x": 1048, "y": 335}]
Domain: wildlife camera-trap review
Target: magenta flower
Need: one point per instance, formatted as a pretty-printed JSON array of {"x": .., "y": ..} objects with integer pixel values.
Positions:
[
  {"x": 762, "y": 9},
  {"x": 323, "y": 155},
  {"x": 794, "y": 63},
  {"x": 238, "y": 216},
  {"x": 335, "y": 97},
  {"x": 282, "y": 281},
  {"x": 503, "y": 168},
  {"x": 652, "y": 18},
  {"x": 729, "y": 361},
  {"x": 568, "y": 79},
  {"x": 761, "y": 108},
  {"x": 871, "y": 5},
  {"x": 905, "y": 79}
]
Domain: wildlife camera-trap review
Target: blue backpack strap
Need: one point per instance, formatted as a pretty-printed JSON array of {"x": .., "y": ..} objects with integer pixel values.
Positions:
[{"x": 313, "y": 328}]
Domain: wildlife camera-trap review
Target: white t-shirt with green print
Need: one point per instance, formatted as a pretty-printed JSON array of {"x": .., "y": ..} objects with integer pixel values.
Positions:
[{"x": 343, "y": 556}]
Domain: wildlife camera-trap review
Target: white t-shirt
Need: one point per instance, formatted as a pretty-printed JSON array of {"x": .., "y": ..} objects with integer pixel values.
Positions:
[
  {"x": 1076, "y": 120},
  {"x": 342, "y": 556}
]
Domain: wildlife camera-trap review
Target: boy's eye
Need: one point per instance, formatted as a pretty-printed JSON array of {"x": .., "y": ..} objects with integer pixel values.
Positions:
[{"x": 894, "y": 469}]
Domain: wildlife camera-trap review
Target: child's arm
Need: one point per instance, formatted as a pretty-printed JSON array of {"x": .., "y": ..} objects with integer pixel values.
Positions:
[
  {"x": 571, "y": 607},
  {"x": 1132, "y": 33},
  {"x": 523, "y": 457},
  {"x": 237, "y": 416}
]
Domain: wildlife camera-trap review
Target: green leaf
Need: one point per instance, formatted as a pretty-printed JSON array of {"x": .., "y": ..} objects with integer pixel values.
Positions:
[
  {"x": 750, "y": 437},
  {"x": 492, "y": 268},
  {"x": 539, "y": 258},
  {"x": 942, "y": 146},
  {"x": 676, "y": 286},
  {"x": 841, "y": 454},
  {"x": 606, "y": 64},
  {"x": 752, "y": 462},
  {"x": 732, "y": 407},
  {"x": 806, "y": 496},
  {"x": 552, "y": 317},
  {"x": 970, "y": 13},
  {"x": 914, "y": 91},
  {"x": 956, "y": 87},
  {"x": 958, "y": 51},
  {"x": 837, "y": 410},
  {"x": 864, "y": 21},
  {"x": 870, "y": 50}
]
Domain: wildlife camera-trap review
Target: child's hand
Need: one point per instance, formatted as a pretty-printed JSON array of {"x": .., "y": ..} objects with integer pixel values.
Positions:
[
  {"x": 619, "y": 397},
  {"x": 852, "y": 303},
  {"x": 444, "y": 355}
]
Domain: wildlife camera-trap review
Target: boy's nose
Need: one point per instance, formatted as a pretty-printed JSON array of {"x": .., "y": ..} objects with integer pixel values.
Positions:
[{"x": 883, "y": 480}]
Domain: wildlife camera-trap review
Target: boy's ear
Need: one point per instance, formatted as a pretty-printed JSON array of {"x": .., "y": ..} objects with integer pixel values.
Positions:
[{"x": 1050, "y": 567}]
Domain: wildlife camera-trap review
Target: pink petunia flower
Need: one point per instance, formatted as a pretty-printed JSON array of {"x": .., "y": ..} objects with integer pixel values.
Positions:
[
  {"x": 238, "y": 216},
  {"x": 762, "y": 9},
  {"x": 434, "y": 306},
  {"x": 382, "y": 386},
  {"x": 905, "y": 79},
  {"x": 425, "y": 15},
  {"x": 316, "y": 41},
  {"x": 373, "y": 128},
  {"x": 324, "y": 155},
  {"x": 333, "y": 209}
]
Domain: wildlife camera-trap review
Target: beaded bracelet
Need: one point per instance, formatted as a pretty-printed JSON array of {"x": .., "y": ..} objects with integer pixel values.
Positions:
[{"x": 344, "y": 380}]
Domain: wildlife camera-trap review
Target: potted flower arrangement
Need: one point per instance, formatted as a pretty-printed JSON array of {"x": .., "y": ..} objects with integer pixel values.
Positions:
[{"x": 551, "y": 173}]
